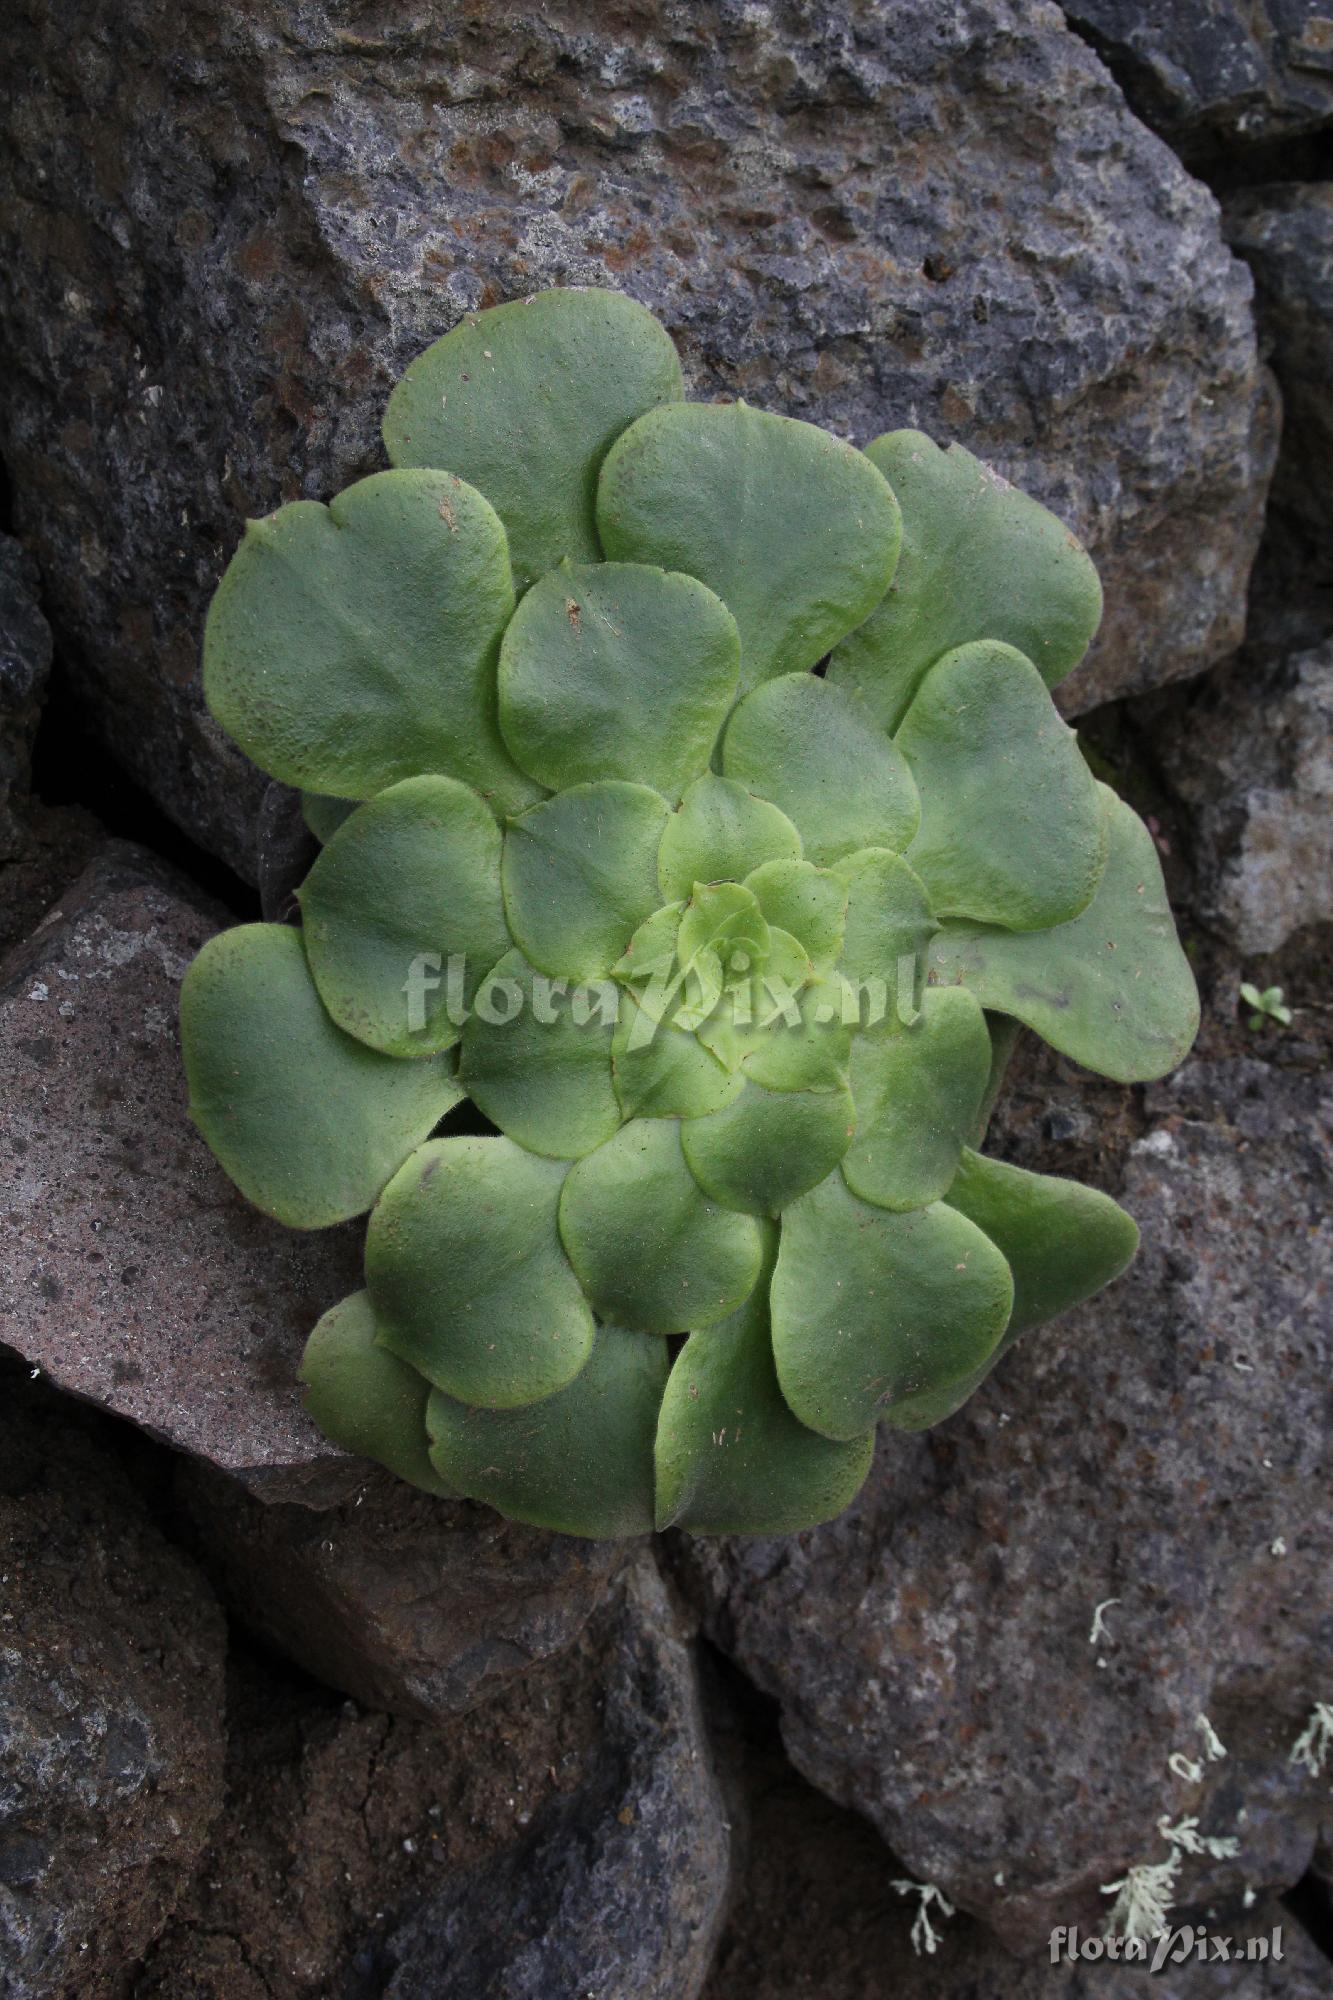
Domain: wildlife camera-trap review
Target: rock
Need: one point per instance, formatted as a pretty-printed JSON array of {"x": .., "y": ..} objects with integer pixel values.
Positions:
[
  {"x": 818, "y": 1914},
  {"x": 286, "y": 850},
  {"x": 132, "y": 1273},
  {"x": 620, "y": 1888},
  {"x": 25, "y": 669},
  {"x": 412, "y": 1604},
  {"x": 572, "y": 1820},
  {"x": 1285, "y": 235},
  {"x": 111, "y": 1750},
  {"x": 1156, "y": 1454},
  {"x": 941, "y": 215},
  {"x": 1250, "y": 750},
  {"x": 1216, "y": 77}
]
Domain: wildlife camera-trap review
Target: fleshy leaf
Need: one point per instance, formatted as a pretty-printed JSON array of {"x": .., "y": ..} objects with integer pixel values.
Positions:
[
  {"x": 724, "y": 918},
  {"x": 815, "y": 752},
  {"x": 580, "y": 1461},
  {"x": 795, "y": 531},
  {"x": 308, "y": 1123},
  {"x": 1012, "y": 830},
  {"x": 580, "y": 876},
  {"x": 980, "y": 560},
  {"x": 886, "y": 934},
  {"x": 758, "y": 998},
  {"x": 806, "y": 1043},
  {"x": 352, "y": 645},
  {"x": 1113, "y": 989},
  {"x": 324, "y": 815},
  {"x": 1062, "y": 1241},
  {"x": 719, "y": 833},
  {"x": 468, "y": 1279},
  {"x": 411, "y": 880},
  {"x": 872, "y": 1310},
  {"x": 616, "y": 670},
  {"x": 524, "y": 400},
  {"x": 918, "y": 1094},
  {"x": 808, "y": 902},
  {"x": 653, "y": 1252},
  {"x": 768, "y": 1146},
  {"x": 536, "y": 1059},
  {"x": 731, "y": 1457},
  {"x": 365, "y": 1399},
  {"x": 662, "y": 1071}
]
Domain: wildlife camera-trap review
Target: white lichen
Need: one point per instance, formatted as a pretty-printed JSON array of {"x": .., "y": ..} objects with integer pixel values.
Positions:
[
  {"x": 1212, "y": 1742},
  {"x": 1315, "y": 1741},
  {"x": 1143, "y": 1897},
  {"x": 925, "y": 1937},
  {"x": 1186, "y": 1836},
  {"x": 1098, "y": 1630}
]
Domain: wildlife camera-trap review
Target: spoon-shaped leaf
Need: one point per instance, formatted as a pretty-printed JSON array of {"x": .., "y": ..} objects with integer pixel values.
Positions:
[
  {"x": 324, "y": 815},
  {"x": 580, "y": 1461},
  {"x": 1113, "y": 989},
  {"x": 872, "y": 1310},
  {"x": 543, "y": 1072},
  {"x": 662, "y": 1071},
  {"x": 308, "y": 1123},
  {"x": 524, "y": 400},
  {"x": 818, "y": 755},
  {"x": 467, "y": 1276},
  {"x": 580, "y": 876},
  {"x": 411, "y": 880},
  {"x": 365, "y": 1398},
  {"x": 616, "y": 670},
  {"x": 1012, "y": 831},
  {"x": 795, "y": 531},
  {"x": 352, "y": 645},
  {"x": 731, "y": 1457},
  {"x": 653, "y": 1251},
  {"x": 808, "y": 902},
  {"x": 980, "y": 560},
  {"x": 718, "y": 833},
  {"x": 1062, "y": 1241},
  {"x": 768, "y": 1146},
  {"x": 918, "y": 1092}
]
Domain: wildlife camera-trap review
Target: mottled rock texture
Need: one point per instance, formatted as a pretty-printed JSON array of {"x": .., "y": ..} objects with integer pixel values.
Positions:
[
  {"x": 411, "y": 1604},
  {"x": 1285, "y": 235},
  {"x": 618, "y": 1889},
  {"x": 817, "y": 1915},
  {"x": 111, "y": 1675},
  {"x": 564, "y": 1839},
  {"x": 25, "y": 668},
  {"x": 1162, "y": 1448},
  {"x": 1216, "y": 77},
  {"x": 1251, "y": 753},
  {"x": 232, "y": 227},
  {"x": 131, "y": 1271}
]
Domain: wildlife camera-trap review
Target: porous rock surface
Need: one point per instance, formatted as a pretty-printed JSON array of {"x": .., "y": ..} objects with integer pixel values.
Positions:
[
  {"x": 1216, "y": 77},
  {"x": 111, "y": 1675},
  {"x": 1158, "y": 1453},
  {"x": 412, "y": 1604},
  {"x": 131, "y": 1271},
  {"x": 1250, "y": 750},
  {"x": 565, "y": 1839},
  {"x": 1285, "y": 235},
  {"x": 231, "y": 229},
  {"x": 25, "y": 669}
]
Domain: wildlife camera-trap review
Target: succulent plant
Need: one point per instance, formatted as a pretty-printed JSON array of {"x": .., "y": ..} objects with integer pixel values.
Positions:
[{"x": 692, "y": 800}]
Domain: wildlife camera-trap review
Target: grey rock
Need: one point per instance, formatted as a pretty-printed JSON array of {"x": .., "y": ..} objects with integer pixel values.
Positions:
[
  {"x": 111, "y": 1673},
  {"x": 286, "y": 849},
  {"x": 1161, "y": 1448},
  {"x": 1251, "y": 753},
  {"x": 131, "y": 1271},
  {"x": 1285, "y": 235},
  {"x": 1217, "y": 76},
  {"x": 412, "y": 1604},
  {"x": 618, "y": 1892},
  {"x": 25, "y": 669},
  {"x": 572, "y": 1817},
  {"x": 941, "y": 215},
  {"x": 822, "y": 1911}
]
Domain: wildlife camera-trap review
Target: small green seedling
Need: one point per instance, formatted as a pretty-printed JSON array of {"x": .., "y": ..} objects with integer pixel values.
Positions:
[
  {"x": 691, "y": 799},
  {"x": 1265, "y": 1006}
]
